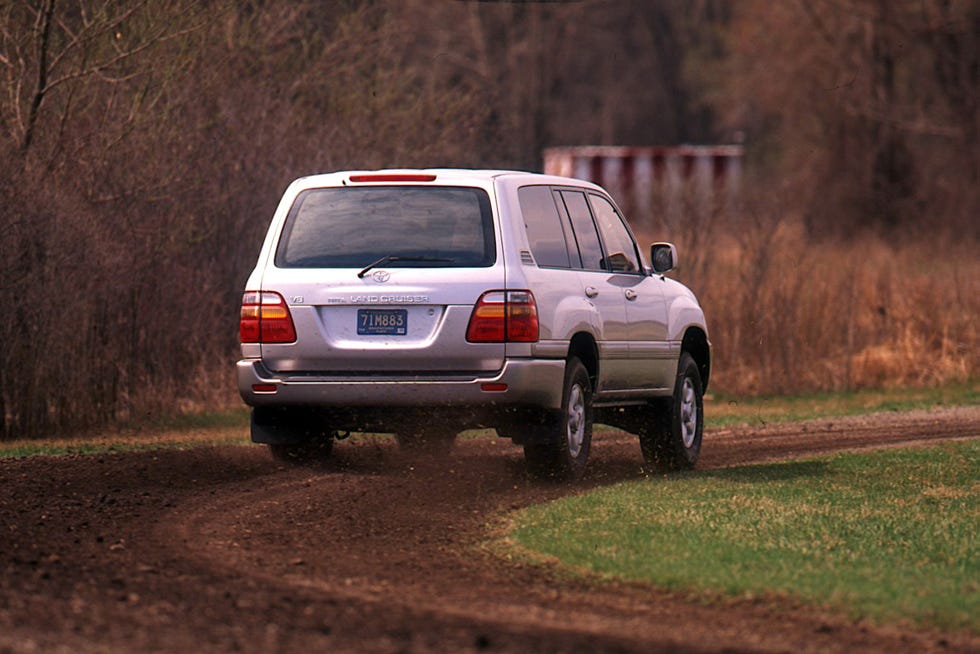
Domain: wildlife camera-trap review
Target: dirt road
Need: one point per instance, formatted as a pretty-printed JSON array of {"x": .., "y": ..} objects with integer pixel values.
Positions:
[{"x": 222, "y": 549}]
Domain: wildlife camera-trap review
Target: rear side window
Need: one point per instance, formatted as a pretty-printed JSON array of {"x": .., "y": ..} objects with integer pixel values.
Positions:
[
  {"x": 586, "y": 237},
  {"x": 544, "y": 230},
  {"x": 355, "y": 227}
]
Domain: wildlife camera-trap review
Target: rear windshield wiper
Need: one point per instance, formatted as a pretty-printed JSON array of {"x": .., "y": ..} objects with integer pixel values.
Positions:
[{"x": 391, "y": 258}]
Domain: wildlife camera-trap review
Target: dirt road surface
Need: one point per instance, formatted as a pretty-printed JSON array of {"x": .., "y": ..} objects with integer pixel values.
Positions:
[{"x": 225, "y": 550}]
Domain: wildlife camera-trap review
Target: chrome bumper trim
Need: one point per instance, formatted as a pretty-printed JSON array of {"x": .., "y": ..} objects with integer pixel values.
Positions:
[{"x": 530, "y": 383}]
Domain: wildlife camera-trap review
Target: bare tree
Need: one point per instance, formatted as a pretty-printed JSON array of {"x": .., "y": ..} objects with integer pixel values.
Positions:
[
  {"x": 866, "y": 109},
  {"x": 52, "y": 54}
]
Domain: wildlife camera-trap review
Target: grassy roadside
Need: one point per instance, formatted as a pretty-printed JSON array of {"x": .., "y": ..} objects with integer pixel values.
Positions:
[
  {"x": 723, "y": 410},
  {"x": 177, "y": 432},
  {"x": 889, "y": 535}
]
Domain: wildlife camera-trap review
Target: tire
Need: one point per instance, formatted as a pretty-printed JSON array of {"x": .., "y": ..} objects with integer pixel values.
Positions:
[
  {"x": 670, "y": 437},
  {"x": 433, "y": 441},
  {"x": 309, "y": 452},
  {"x": 561, "y": 450},
  {"x": 294, "y": 435}
]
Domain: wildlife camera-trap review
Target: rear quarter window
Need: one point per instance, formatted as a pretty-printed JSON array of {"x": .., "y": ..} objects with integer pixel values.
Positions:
[{"x": 543, "y": 224}]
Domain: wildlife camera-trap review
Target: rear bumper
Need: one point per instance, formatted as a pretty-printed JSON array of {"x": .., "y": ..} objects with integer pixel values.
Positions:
[{"x": 533, "y": 383}]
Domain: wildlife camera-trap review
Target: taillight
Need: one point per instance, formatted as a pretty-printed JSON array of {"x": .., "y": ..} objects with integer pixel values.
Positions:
[
  {"x": 504, "y": 317},
  {"x": 265, "y": 319},
  {"x": 393, "y": 177}
]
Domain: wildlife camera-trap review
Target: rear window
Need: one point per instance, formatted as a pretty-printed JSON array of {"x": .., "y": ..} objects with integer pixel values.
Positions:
[{"x": 355, "y": 227}]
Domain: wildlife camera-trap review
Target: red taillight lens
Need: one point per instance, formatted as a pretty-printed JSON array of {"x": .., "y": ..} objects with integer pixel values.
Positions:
[
  {"x": 487, "y": 322},
  {"x": 522, "y": 317},
  {"x": 265, "y": 319},
  {"x": 248, "y": 326},
  {"x": 504, "y": 317}
]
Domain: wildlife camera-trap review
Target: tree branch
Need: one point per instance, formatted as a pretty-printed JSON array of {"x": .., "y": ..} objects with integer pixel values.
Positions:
[{"x": 43, "y": 26}]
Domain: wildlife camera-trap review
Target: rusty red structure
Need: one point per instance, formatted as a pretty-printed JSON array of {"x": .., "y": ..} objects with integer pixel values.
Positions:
[{"x": 655, "y": 178}]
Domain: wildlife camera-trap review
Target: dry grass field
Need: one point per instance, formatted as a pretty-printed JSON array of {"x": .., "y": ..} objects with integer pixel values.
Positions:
[{"x": 787, "y": 314}]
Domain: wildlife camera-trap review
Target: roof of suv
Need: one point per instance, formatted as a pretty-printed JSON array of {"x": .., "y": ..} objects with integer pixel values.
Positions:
[{"x": 456, "y": 175}]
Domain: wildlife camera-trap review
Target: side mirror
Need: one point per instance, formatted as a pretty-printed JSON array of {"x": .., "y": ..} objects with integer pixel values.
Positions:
[{"x": 664, "y": 257}]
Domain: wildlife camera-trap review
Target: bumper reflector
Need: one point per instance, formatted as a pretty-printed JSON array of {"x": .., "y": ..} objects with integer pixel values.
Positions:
[
  {"x": 493, "y": 388},
  {"x": 264, "y": 388}
]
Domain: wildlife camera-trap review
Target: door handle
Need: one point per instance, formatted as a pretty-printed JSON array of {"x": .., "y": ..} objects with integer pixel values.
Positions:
[
  {"x": 630, "y": 294},
  {"x": 591, "y": 291}
]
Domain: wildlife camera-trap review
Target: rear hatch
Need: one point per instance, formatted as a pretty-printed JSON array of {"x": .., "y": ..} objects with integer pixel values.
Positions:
[{"x": 380, "y": 279}]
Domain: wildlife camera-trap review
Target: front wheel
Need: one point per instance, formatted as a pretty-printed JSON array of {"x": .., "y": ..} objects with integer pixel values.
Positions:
[
  {"x": 561, "y": 451},
  {"x": 671, "y": 435}
]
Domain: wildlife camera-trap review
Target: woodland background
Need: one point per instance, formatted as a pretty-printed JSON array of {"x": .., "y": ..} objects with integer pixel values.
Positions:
[{"x": 144, "y": 145}]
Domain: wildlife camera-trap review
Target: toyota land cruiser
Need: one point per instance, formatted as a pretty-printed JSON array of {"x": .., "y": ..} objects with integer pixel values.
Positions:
[{"x": 426, "y": 302}]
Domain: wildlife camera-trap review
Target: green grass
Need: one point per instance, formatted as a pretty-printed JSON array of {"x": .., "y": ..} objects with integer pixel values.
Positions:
[
  {"x": 234, "y": 418},
  {"x": 63, "y": 447},
  {"x": 723, "y": 410},
  {"x": 890, "y": 535},
  {"x": 167, "y": 432}
]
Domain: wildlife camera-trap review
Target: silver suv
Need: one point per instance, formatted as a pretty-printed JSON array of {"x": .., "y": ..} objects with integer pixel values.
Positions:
[{"x": 427, "y": 302}]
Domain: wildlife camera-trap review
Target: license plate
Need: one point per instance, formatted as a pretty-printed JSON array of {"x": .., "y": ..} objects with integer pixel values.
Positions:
[{"x": 382, "y": 322}]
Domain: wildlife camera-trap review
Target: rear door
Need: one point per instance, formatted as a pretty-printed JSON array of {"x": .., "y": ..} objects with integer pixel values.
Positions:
[
  {"x": 381, "y": 279},
  {"x": 602, "y": 289}
]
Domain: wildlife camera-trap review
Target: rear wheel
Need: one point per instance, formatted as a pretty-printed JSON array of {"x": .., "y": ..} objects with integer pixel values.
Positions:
[
  {"x": 561, "y": 450},
  {"x": 293, "y": 434},
  {"x": 670, "y": 437}
]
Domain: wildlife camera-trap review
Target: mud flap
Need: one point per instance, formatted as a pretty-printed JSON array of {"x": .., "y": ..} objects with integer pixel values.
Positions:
[
  {"x": 534, "y": 428},
  {"x": 281, "y": 427}
]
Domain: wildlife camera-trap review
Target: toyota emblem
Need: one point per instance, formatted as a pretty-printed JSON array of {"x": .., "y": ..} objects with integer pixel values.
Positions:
[{"x": 381, "y": 276}]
